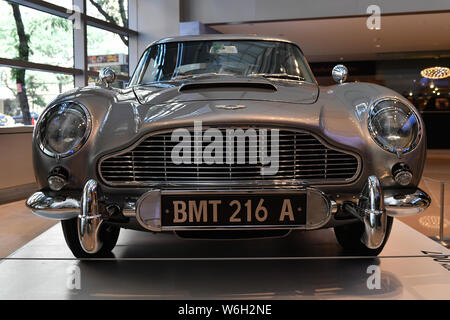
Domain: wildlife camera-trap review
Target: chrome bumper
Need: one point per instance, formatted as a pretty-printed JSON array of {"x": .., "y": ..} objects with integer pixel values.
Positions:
[
  {"x": 403, "y": 205},
  {"x": 372, "y": 209},
  {"x": 58, "y": 208},
  {"x": 63, "y": 208}
]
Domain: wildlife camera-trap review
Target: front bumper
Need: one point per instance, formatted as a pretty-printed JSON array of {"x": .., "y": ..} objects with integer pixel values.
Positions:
[
  {"x": 66, "y": 207},
  {"x": 92, "y": 211},
  {"x": 54, "y": 207}
]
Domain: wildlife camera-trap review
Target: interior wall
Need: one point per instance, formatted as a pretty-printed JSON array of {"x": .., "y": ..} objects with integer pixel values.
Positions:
[
  {"x": 156, "y": 19},
  {"x": 15, "y": 157},
  {"x": 219, "y": 11}
]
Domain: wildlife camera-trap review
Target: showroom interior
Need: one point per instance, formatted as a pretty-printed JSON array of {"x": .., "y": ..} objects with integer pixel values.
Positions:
[{"x": 53, "y": 46}]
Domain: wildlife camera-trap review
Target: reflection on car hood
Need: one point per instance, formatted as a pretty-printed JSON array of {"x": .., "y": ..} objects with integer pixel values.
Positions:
[{"x": 228, "y": 88}]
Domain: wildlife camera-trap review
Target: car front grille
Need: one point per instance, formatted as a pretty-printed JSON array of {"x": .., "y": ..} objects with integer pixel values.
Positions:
[{"x": 302, "y": 158}]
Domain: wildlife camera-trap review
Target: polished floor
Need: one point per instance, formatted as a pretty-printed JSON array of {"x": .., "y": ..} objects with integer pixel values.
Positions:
[
  {"x": 304, "y": 265},
  {"x": 436, "y": 173},
  {"x": 18, "y": 226}
]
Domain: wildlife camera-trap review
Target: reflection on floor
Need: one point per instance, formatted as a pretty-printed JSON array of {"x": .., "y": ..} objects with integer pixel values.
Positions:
[
  {"x": 437, "y": 170},
  {"x": 303, "y": 265}
]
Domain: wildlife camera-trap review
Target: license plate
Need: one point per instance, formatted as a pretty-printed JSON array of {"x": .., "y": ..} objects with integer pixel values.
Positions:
[{"x": 233, "y": 210}]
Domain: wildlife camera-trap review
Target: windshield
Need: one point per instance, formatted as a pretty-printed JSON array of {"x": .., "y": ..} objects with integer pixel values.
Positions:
[{"x": 182, "y": 60}]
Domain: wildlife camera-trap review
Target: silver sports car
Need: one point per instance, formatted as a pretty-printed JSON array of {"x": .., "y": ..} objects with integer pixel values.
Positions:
[{"x": 228, "y": 136}]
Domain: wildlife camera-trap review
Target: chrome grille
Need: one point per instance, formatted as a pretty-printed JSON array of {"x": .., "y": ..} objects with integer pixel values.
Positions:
[{"x": 302, "y": 158}]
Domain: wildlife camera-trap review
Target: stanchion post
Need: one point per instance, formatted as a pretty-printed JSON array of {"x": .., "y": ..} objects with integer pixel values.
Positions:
[{"x": 441, "y": 220}]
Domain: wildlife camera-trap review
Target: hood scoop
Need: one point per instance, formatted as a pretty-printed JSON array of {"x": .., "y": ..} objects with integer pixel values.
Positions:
[{"x": 228, "y": 86}]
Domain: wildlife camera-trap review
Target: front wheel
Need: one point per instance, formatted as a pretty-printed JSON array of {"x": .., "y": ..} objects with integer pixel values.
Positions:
[
  {"x": 349, "y": 236},
  {"x": 108, "y": 235}
]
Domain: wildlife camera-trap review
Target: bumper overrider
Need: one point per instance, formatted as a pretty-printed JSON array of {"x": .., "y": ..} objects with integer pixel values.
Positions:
[{"x": 372, "y": 208}]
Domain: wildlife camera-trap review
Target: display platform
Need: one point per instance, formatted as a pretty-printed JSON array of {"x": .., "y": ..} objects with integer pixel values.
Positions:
[{"x": 303, "y": 265}]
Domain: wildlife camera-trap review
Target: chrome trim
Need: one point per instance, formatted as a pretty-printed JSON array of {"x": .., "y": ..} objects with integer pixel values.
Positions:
[
  {"x": 154, "y": 220},
  {"x": 311, "y": 224},
  {"x": 403, "y": 205},
  {"x": 240, "y": 183},
  {"x": 129, "y": 209},
  {"x": 413, "y": 110},
  {"x": 230, "y": 106},
  {"x": 58, "y": 207},
  {"x": 90, "y": 219},
  {"x": 43, "y": 117},
  {"x": 219, "y": 37},
  {"x": 107, "y": 76},
  {"x": 334, "y": 207},
  {"x": 371, "y": 206},
  {"x": 339, "y": 73}
]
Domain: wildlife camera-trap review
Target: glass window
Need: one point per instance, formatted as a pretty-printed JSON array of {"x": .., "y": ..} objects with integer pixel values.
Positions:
[
  {"x": 179, "y": 60},
  {"x": 107, "y": 49},
  {"x": 113, "y": 11},
  {"x": 40, "y": 89},
  {"x": 61, "y": 3},
  {"x": 45, "y": 38}
]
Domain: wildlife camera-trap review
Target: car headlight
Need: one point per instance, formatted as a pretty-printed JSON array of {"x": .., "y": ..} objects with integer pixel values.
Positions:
[
  {"x": 394, "y": 126},
  {"x": 63, "y": 129}
]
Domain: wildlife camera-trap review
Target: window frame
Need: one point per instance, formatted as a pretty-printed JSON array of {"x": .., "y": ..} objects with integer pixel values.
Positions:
[{"x": 80, "y": 69}]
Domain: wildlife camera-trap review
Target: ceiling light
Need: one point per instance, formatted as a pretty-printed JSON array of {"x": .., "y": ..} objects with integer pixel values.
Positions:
[{"x": 435, "y": 73}]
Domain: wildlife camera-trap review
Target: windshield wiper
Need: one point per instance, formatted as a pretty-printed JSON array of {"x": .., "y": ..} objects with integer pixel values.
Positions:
[
  {"x": 278, "y": 76},
  {"x": 195, "y": 76}
]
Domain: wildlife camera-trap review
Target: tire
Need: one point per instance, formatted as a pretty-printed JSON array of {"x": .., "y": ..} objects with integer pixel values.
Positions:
[
  {"x": 349, "y": 236},
  {"x": 108, "y": 235}
]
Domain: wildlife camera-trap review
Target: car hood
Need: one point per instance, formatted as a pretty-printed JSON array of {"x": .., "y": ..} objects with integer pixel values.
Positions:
[{"x": 228, "y": 88}]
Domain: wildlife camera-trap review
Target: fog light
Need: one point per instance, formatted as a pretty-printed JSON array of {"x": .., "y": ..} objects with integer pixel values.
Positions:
[
  {"x": 402, "y": 174},
  {"x": 56, "y": 183}
]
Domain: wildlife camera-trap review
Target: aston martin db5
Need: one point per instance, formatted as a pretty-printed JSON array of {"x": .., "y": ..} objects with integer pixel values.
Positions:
[{"x": 228, "y": 137}]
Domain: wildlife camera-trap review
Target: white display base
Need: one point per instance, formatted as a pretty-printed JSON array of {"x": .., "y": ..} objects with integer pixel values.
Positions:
[{"x": 304, "y": 265}]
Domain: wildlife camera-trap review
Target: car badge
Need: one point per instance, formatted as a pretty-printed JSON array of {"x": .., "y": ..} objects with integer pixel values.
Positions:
[{"x": 230, "y": 106}]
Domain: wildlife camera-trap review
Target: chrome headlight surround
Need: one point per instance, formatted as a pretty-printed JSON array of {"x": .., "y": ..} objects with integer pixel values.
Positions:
[
  {"x": 41, "y": 127},
  {"x": 397, "y": 105}
]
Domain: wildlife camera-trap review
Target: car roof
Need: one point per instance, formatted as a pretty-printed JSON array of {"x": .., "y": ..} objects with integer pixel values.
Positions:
[{"x": 217, "y": 37}]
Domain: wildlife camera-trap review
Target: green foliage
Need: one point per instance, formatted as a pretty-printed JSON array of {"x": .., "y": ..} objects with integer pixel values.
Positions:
[
  {"x": 50, "y": 41},
  {"x": 112, "y": 10}
]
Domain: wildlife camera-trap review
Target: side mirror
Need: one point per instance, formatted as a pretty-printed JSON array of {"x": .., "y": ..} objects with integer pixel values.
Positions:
[
  {"x": 340, "y": 73},
  {"x": 107, "y": 76}
]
